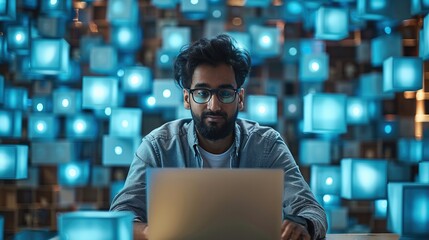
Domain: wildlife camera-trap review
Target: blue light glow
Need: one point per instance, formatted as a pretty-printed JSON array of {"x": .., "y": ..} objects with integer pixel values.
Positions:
[
  {"x": 294, "y": 7},
  {"x": 315, "y": 151},
  {"x": 166, "y": 94},
  {"x": 314, "y": 67},
  {"x": 126, "y": 38},
  {"x": 13, "y": 161},
  {"x": 137, "y": 79},
  {"x": 49, "y": 56},
  {"x": 377, "y": 4},
  {"x": 41, "y": 125},
  {"x": 357, "y": 111},
  {"x": 380, "y": 208},
  {"x": 424, "y": 172},
  {"x": 174, "y": 38},
  {"x": 66, "y": 101},
  {"x": 164, "y": 4},
  {"x": 410, "y": 150},
  {"x": 103, "y": 60},
  {"x": 384, "y": 47},
  {"x": 119, "y": 151},
  {"x": 332, "y": 23},
  {"x": 81, "y": 126},
  {"x": 122, "y": 12},
  {"x": 73, "y": 173},
  {"x": 402, "y": 74},
  {"x": 10, "y": 123},
  {"x": 242, "y": 40},
  {"x": 265, "y": 41},
  {"x": 18, "y": 39},
  {"x": 262, "y": 109},
  {"x": 125, "y": 122},
  {"x": 325, "y": 179},
  {"x": 99, "y": 92}
]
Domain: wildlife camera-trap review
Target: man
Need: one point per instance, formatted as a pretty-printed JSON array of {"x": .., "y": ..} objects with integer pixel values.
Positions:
[{"x": 211, "y": 73}]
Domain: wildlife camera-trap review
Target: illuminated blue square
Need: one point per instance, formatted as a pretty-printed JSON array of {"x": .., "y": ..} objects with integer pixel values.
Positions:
[
  {"x": 333, "y": 107},
  {"x": 96, "y": 225},
  {"x": 408, "y": 210},
  {"x": 293, "y": 10},
  {"x": 99, "y": 92},
  {"x": 325, "y": 179},
  {"x": 338, "y": 219},
  {"x": 165, "y": 4},
  {"x": 52, "y": 152},
  {"x": 314, "y": 67},
  {"x": 103, "y": 60},
  {"x": 292, "y": 108},
  {"x": 423, "y": 43},
  {"x": 119, "y": 151},
  {"x": 13, "y": 161},
  {"x": 67, "y": 101},
  {"x": 137, "y": 79},
  {"x": 1, "y": 227},
  {"x": 265, "y": 41},
  {"x": 7, "y": 10},
  {"x": 41, "y": 104},
  {"x": 410, "y": 150},
  {"x": 363, "y": 179},
  {"x": 194, "y": 10},
  {"x": 314, "y": 151},
  {"x": 174, "y": 38},
  {"x": 388, "y": 129},
  {"x": 241, "y": 40},
  {"x": 332, "y": 23},
  {"x": 262, "y": 109},
  {"x": 126, "y": 38},
  {"x": 165, "y": 59},
  {"x": 217, "y": 11},
  {"x": 291, "y": 51},
  {"x": 402, "y": 74},
  {"x": 424, "y": 172},
  {"x": 182, "y": 112},
  {"x": 257, "y": 3},
  {"x": 125, "y": 122},
  {"x": 10, "y": 123},
  {"x": 329, "y": 201},
  {"x": 18, "y": 39},
  {"x": 122, "y": 12},
  {"x": 115, "y": 188},
  {"x": 51, "y": 26},
  {"x": 56, "y": 8},
  {"x": 371, "y": 87},
  {"x": 49, "y": 56},
  {"x": 311, "y": 46},
  {"x": 73, "y": 74},
  {"x": 357, "y": 111},
  {"x": 4, "y": 54},
  {"x": 41, "y": 125},
  {"x": 166, "y": 94},
  {"x": 419, "y": 7},
  {"x": 380, "y": 209},
  {"x": 15, "y": 98},
  {"x": 87, "y": 42},
  {"x": 81, "y": 126},
  {"x": 100, "y": 176},
  {"x": 373, "y": 9},
  {"x": 73, "y": 174},
  {"x": 384, "y": 47}
]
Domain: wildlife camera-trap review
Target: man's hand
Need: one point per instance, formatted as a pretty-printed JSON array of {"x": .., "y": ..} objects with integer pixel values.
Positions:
[
  {"x": 294, "y": 231},
  {"x": 140, "y": 231}
]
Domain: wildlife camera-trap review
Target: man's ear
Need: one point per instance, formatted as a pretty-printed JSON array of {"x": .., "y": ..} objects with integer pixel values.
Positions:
[
  {"x": 241, "y": 99},
  {"x": 186, "y": 99}
]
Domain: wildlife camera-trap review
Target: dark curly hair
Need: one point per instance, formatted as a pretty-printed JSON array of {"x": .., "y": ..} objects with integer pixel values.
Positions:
[{"x": 215, "y": 51}]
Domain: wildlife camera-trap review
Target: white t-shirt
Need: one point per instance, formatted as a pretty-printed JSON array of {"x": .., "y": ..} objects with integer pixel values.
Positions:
[{"x": 211, "y": 160}]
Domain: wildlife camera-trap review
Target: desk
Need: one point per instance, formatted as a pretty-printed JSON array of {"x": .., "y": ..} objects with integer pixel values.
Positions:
[{"x": 365, "y": 236}]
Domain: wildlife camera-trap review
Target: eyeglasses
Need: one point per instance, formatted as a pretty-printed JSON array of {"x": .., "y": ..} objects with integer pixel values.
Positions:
[{"x": 203, "y": 95}]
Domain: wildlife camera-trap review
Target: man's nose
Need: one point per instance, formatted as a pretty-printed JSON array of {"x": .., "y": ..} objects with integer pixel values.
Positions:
[{"x": 214, "y": 104}]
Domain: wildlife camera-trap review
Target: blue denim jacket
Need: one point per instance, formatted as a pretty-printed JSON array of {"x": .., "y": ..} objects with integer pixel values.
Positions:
[{"x": 175, "y": 145}]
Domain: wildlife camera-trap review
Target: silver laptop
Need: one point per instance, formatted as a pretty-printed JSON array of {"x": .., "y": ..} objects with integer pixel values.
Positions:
[{"x": 207, "y": 204}]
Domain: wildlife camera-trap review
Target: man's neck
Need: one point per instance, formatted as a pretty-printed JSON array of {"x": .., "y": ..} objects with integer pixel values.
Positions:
[{"x": 217, "y": 146}]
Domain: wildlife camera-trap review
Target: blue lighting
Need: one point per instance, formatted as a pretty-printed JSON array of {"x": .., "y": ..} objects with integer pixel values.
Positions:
[
  {"x": 81, "y": 126},
  {"x": 424, "y": 171},
  {"x": 119, "y": 151},
  {"x": 174, "y": 38},
  {"x": 363, "y": 179},
  {"x": 125, "y": 122},
  {"x": 10, "y": 123},
  {"x": 419, "y": 7},
  {"x": 402, "y": 74},
  {"x": 42, "y": 125},
  {"x": 380, "y": 208},
  {"x": 166, "y": 94},
  {"x": 314, "y": 67},
  {"x": 257, "y": 3},
  {"x": 87, "y": 42},
  {"x": 1, "y": 226},
  {"x": 100, "y": 176},
  {"x": 292, "y": 10},
  {"x": 103, "y": 60},
  {"x": 18, "y": 39},
  {"x": 384, "y": 47},
  {"x": 371, "y": 87},
  {"x": 314, "y": 151},
  {"x": 73, "y": 173},
  {"x": 122, "y": 12},
  {"x": 334, "y": 108},
  {"x": 56, "y": 8},
  {"x": 332, "y": 23},
  {"x": 357, "y": 111},
  {"x": 262, "y": 109},
  {"x": 194, "y": 9},
  {"x": 292, "y": 108},
  {"x": 165, "y": 59},
  {"x": 96, "y": 225},
  {"x": 52, "y": 152},
  {"x": 66, "y": 101},
  {"x": 372, "y": 9},
  {"x": 126, "y": 38},
  {"x": 7, "y": 10},
  {"x": 115, "y": 187},
  {"x": 49, "y": 56},
  {"x": 242, "y": 40},
  {"x": 410, "y": 150},
  {"x": 15, "y": 98},
  {"x": 41, "y": 104},
  {"x": 338, "y": 218},
  {"x": 265, "y": 41},
  {"x": 137, "y": 79},
  {"x": 99, "y": 92},
  {"x": 325, "y": 179},
  {"x": 388, "y": 30},
  {"x": 13, "y": 161},
  {"x": 164, "y": 4}
]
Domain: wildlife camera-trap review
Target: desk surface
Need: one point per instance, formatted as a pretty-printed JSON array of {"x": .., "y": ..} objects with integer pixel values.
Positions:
[{"x": 368, "y": 236}]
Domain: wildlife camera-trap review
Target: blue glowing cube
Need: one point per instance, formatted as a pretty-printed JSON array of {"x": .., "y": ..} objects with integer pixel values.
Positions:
[
  {"x": 325, "y": 113},
  {"x": 291, "y": 51},
  {"x": 87, "y": 42},
  {"x": 424, "y": 172},
  {"x": 314, "y": 151},
  {"x": 137, "y": 79},
  {"x": 67, "y": 101},
  {"x": 325, "y": 179},
  {"x": 125, "y": 122},
  {"x": 99, "y": 92},
  {"x": 165, "y": 59},
  {"x": 103, "y": 60},
  {"x": 314, "y": 67},
  {"x": 363, "y": 179},
  {"x": 257, "y": 3},
  {"x": 380, "y": 209},
  {"x": 73, "y": 174},
  {"x": 384, "y": 47},
  {"x": 115, "y": 188},
  {"x": 373, "y": 9},
  {"x": 96, "y": 225},
  {"x": 419, "y": 7},
  {"x": 119, "y": 151},
  {"x": 402, "y": 74},
  {"x": 49, "y": 56},
  {"x": 194, "y": 10},
  {"x": 165, "y": 4},
  {"x": 52, "y": 27},
  {"x": 123, "y": 12},
  {"x": 410, "y": 150},
  {"x": 387, "y": 129},
  {"x": 10, "y": 123},
  {"x": 166, "y": 94},
  {"x": 126, "y": 38},
  {"x": 338, "y": 219},
  {"x": 41, "y": 104},
  {"x": 15, "y": 98},
  {"x": 42, "y": 125},
  {"x": 371, "y": 87},
  {"x": 423, "y": 43},
  {"x": 217, "y": 11},
  {"x": 292, "y": 108},
  {"x": 262, "y": 109},
  {"x": 311, "y": 46},
  {"x": 329, "y": 201},
  {"x": 13, "y": 161},
  {"x": 56, "y": 8},
  {"x": 7, "y": 10},
  {"x": 174, "y": 38},
  {"x": 241, "y": 40},
  {"x": 408, "y": 210},
  {"x": 52, "y": 152},
  {"x": 332, "y": 23},
  {"x": 357, "y": 111},
  {"x": 265, "y": 41},
  {"x": 73, "y": 74},
  {"x": 18, "y": 39},
  {"x": 293, "y": 10},
  {"x": 100, "y": 176},
  {"x": 81, "y": 126}
]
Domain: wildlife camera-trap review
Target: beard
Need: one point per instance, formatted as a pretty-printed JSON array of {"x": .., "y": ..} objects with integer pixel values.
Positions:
[{"x": 214, "y": 131}]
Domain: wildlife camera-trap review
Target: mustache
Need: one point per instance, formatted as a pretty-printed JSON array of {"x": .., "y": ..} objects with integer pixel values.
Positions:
[{"x": 210, "y": 113}]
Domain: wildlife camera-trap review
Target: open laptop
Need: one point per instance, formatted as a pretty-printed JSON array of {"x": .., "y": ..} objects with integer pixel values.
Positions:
[{"x": 214, "y": 203}]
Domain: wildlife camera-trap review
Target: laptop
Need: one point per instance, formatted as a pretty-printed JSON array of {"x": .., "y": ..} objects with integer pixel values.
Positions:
[{"x": 186, "y": 203}]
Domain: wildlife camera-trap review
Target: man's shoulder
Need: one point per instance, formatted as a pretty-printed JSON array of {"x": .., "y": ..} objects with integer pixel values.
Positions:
[
  {"x": 252, "y": 128},
  {"x": 170, "y": 129}
]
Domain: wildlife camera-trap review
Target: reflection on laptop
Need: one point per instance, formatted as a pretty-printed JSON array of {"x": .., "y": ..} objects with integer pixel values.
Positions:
[{"x": 214, "y": 203}]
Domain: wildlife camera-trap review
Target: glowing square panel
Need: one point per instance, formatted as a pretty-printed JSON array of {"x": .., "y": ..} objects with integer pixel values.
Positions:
[
  {"x": 332, "y": 23},
  {"x": 119, "y": 151},
  {"x": 384, "y": 47},
  {"x": 125, "y": 122},
  {"x": 262, "y": 109},
  {"x": 265, "y": 41},
  {"x": 357, "y": 111},
  {"x": 42, "y": 125},
  {"x": 137, "y": 79},
  {"x": 311, "y": 46},
  {"x": 15, "y": 98},
  {"x": 380, "y": 208},
  {"x": 174, "y": 38},
  {"x": 18, "y": 39},
  {"x": 56, "y": 8},
  {"x": 388, "y": 129},
  {"x": 373, "y": 9},
  {"x": 10, "y": 123},
  {"x": 293, "y": 10},
  {"x": 165, "y": 59},
  {"x": 371, "y": 87},
  {"x": 13, "y": 161},
  {"x": 73, "y": 174},
  {"x": 103, "y": 60},
  {"x": 7, "y": 11},
  {"x": 292, "y": 108},
  {"x": 81, "y": 126},
  {"x": 419, "y": 7},
  {"x": 408, "y": 209},
  {"x": 87, "y": 42},
  {"x": 100, "y": 176},
  {"x": 194, "y": 9},
  {"x": 410, "y": 150},
  {"x": 99, "y": 92},
  {"x": 49, "y": 56},
  {"x": 96, "y": 225},
  {"x": 325, "y": 113},
  {"x": 52, "y": 152},
  {"x": 314, "y": 67},
  {"x": 291, "y": 51},
  {"x": 241, "y": 40},
  {"x": 67, "y": 101},
  {"x": 402, "y": 74},
  {"x": 53, "y": 27},
  {"x": 424, "y": 171},
  {"x": 325, "y": 179},
  {"x": 165, "y": 4},
  {"x": 122, "y": 12},
  {"x": 314, "y": 151},
  {"x": 257, "y": 3},
  {"x": 126, "y": 38},
  {"x": 41, "y": 104},
  {"x": 165, "y": 94},
  {"x": 363, "y": 179}
]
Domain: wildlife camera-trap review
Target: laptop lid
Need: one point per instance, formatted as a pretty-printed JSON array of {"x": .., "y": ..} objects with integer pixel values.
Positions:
[{"x": 214, "y": 203}]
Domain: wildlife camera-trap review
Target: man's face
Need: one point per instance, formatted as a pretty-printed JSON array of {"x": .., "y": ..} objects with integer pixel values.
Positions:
[{"x": 214, "y": 120}]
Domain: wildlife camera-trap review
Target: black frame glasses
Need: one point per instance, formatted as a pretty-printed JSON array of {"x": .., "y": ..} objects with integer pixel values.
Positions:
[{"x": 204, "y": 95}]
